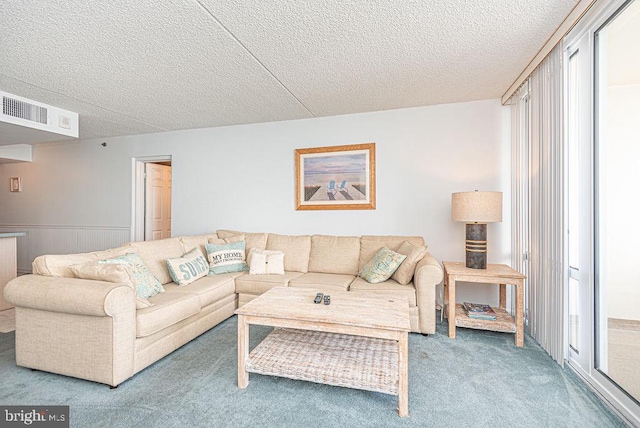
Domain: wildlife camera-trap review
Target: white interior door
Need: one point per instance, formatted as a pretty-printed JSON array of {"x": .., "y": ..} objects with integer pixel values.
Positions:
[{"x": 157, "y": 222}]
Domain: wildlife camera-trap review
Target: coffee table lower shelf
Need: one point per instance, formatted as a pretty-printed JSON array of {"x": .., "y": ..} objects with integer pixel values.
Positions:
[
  {"x": 335, "y": 359},
  {"x": 503, "y": 323}
]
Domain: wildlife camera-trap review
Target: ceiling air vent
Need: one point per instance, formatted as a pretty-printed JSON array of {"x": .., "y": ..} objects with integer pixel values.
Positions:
[
  {"x": 24, "y": 121},
  {"x": 24, "y": 110}
]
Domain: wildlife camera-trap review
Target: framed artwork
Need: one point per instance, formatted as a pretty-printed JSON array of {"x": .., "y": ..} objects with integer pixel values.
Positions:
[
  {"x": 15, "y": 184},
  {"x": 336, "y": 178}
]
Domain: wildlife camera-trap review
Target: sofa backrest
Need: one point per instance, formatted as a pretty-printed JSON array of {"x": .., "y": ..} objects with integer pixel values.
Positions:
[
  {"x": 334, "y": 254},
  {"x": 296, "y": 250},
  {"x": 303, "y": 253},
  {"x": 154, "y": 254},
  {"x": 370, "y": 245}
]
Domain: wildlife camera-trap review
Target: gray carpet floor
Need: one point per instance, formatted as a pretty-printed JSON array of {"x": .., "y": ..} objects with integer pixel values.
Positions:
[{"x": 478, "y": 379}]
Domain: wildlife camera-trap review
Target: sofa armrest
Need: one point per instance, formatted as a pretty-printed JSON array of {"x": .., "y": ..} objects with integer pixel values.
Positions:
[
  {"x": 69, "y": 295},
  {"x": 427, "y": 276},
  {"x": 74, "y": 327}
]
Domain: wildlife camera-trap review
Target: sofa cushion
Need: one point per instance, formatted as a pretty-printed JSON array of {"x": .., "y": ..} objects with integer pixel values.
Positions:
[
  {"x": 146, "y": 285},
  {"x": 191, "y": 242},
  {"x": 414, "y": 254},
  {"x": 295, "y": 248},
  {"x": 370, "y": 245},
  {"x": 58, "y": 264},
  {"x": 252, "y": 240},
  {"x": 116, "y": 273},
  {"x": 188, "y": 268},
  {"x": 265, "y": 262},
  {"x": 155, "y": 254},
  {"x": 258, "y": 284},
  {"x": 387, "y": 288},
  {"x": 381, "y": 266},
  {"x": 226, "y": 258},
  {"x": 323, "y": 281},
  {"x": 209, "y": 289},
  {"x": 167, "y": 309},
  {"x": 334, "y": 254}
]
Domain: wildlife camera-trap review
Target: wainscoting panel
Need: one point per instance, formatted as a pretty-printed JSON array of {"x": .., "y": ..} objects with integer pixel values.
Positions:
[{"x": 49, "y": 239}]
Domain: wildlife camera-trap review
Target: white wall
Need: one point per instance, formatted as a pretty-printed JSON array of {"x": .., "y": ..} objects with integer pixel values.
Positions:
[
  {"x": 76, "y": 184},
  {"x": 242, "y": 177}
]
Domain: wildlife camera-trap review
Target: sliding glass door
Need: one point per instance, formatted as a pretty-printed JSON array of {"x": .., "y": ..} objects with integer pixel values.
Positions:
[
  {"x": 617, "y": 198},
  {"x": 602, "y": 57}
]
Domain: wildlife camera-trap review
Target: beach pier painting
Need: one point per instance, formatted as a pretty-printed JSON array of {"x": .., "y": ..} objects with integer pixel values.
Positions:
[{"x": 337, "y": 177}]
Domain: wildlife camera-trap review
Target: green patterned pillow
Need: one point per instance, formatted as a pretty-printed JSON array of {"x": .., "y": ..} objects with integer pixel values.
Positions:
[
  {"x": 186, "y": 269},
  {"x": 226, "y": 258},
  {"x": 146, "y": 284},
  {"x": 381, "y": 266}
]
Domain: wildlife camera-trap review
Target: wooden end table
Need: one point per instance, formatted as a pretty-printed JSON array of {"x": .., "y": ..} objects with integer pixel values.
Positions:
[{"x": 493, "y": 274}]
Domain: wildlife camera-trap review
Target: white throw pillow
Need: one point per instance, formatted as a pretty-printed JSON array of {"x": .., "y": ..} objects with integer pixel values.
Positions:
[{"x": 265, "y": 262}]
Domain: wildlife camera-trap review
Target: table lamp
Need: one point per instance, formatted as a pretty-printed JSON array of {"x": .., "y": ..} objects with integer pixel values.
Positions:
[{"x": 476, "y": 209}]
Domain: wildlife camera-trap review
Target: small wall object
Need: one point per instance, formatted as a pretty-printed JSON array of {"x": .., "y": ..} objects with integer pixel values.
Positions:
[{"x": 15, "y": 184}]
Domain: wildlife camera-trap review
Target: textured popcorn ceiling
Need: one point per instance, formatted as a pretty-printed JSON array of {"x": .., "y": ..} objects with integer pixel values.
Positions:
[{"x": 130, "y": 67}]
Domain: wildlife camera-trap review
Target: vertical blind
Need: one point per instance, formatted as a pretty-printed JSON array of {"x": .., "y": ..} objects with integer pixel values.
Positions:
[{"x": 537, "y": 195}]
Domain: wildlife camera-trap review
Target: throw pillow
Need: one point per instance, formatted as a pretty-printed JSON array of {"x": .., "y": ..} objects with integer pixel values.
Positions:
[
  {"x": 226, "y": 258},
  {"x": 118, "y": 273},
  {"x": 414, "y": 254},
  {"x": 146, "y": 284},
  {"x": 265, "y": 262},
  {"x": 252, "y": 240},
  {"x": 381, "y": 266},
  {"x": 197, "y": 241},
  {"x": 186, "y": 269},
  {"x": 227, "y": 240}
]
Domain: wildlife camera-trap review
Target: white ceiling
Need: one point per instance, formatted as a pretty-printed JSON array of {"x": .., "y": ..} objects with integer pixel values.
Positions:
[{"x": 140, "y": 66}]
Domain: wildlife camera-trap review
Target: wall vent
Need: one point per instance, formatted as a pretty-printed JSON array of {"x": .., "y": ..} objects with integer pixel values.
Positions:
[
  {"x": 25, "y": 121},
  {"x": 24, "y": 110}
]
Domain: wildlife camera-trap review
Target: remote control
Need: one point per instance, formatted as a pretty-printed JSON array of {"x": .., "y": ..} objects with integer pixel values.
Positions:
[
  {"x": 318, "y": 298},
  {"x": 327, "y": 299}
]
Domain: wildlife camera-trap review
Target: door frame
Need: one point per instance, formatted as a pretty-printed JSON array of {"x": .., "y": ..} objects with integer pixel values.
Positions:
[{"x": 138, "y": 193}]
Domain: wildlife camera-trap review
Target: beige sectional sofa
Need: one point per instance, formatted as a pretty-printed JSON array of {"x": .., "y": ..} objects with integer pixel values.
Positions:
[{"x": 92, "y": 330}]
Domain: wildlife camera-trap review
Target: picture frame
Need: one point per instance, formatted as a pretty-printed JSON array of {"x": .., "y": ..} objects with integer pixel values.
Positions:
[
  {"x": 336, "y": 177},
  {"x": 15, "y": 184}
]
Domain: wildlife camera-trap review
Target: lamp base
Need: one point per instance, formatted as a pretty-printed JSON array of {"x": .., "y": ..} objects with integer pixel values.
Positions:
[{"x": 476, "y": 245}]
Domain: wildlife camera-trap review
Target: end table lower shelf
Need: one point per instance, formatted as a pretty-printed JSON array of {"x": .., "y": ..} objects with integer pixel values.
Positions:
[{"x": 503, "y": 323}]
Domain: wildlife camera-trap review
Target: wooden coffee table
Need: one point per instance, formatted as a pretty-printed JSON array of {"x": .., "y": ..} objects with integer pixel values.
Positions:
[{"x": 358, "y": 341}]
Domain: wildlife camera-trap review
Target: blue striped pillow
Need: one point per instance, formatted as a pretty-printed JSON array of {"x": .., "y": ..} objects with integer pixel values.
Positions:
[{"x": 225, "y": 258}]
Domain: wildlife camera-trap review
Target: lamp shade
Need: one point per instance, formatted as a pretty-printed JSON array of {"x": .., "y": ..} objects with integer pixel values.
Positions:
[{"x": 476, "y": 207}]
